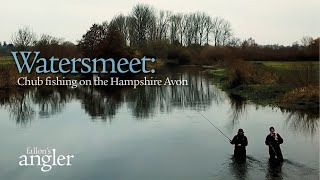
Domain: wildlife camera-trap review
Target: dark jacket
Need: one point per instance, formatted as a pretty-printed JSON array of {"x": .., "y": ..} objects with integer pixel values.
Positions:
[
  {"x": 275, "y": 143},
  {"x": 240, "y": 151},
  {"x": 239, "y": 139},
  {"x": 274, "y": 149}
]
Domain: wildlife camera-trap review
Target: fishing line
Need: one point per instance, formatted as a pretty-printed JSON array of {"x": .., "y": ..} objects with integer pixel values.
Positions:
[
  {"x": 212, "y": 124},
  {"x": 203, "y": 117}
]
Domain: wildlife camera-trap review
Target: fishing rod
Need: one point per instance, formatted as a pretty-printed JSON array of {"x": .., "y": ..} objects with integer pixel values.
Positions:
[
  {"x": 273, "y": 150},
  {"x": 204, "y": 118},
  {"x": 212, "y": 124}
]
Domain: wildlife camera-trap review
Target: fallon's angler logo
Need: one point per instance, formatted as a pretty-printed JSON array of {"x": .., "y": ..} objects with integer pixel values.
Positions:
[{"x": 46, "y": 158}]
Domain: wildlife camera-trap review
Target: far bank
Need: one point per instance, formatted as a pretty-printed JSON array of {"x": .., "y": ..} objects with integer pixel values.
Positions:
[{"x": 289, "y": 85}]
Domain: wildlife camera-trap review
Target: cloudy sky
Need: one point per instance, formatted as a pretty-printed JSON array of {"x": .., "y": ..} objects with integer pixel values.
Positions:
[{"x": 267, "y": 21}]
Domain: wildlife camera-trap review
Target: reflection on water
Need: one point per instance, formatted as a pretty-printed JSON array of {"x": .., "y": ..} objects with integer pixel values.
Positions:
[
  {"x": 274, "y": 170},
  {"x": 50, "y": 101},
  {"x": 103, "y": 103},
  {"x": 239, "y": 169},
  {"x": 156, "y": 132},
  {"x": 303, "y": 123},
  {"x": 238, "y": 109}
]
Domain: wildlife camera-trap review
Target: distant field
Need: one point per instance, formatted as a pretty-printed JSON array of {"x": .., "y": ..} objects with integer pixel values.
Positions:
[
  {"x": 6, "y": 60},
  {"x": 294, "y": 70},
  {"x": 287, "y": 64}
]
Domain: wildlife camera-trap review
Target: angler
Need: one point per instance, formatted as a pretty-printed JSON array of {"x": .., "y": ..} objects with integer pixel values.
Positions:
[
  {"x": 274, "y": 140},
  {"x": 240, "y": 142}
]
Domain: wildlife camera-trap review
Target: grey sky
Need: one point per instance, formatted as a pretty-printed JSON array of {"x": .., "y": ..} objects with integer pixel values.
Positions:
[{"x": 267, "y": 21}]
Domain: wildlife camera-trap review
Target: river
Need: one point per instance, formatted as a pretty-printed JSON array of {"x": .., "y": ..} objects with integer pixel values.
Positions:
[{"x": 152, "y": 132}]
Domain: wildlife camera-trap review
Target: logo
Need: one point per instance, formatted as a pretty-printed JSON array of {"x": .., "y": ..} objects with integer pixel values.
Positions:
[{"x": 45, "y": 158}]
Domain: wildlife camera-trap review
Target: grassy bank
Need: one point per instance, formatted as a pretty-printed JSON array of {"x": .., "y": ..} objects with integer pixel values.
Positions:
[{"x": 284, "y": 84}]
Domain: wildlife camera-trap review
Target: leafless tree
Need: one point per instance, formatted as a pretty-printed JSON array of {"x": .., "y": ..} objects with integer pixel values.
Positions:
[
  {"x": 175, "y": 24},
  {"x": 250, "y": 42},
  {"x": 202, "y": 20},
  {"x": 183, "y": 26},
  {"x": 190, "y": 29},
  {"x": 306, "y": 41},
  {"x": 162, "y": 24},
  {"x": 23, "y": 38},
  {"x": 234, "y": 42},
  {"x": 208, "y": 28},
  {"x": 146, "y": 25},
  {"x": 142, "y": 21},
  {"x": 226, "y": 32},
  {"x": 221, "y": 30},
  {"x": 120, "y": 23}
]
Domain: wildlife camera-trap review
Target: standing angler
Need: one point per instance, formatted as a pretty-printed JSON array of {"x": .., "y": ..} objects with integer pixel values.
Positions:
[
  {"x": 274, "y": 140},
  {"x": 240, "y": 142}
]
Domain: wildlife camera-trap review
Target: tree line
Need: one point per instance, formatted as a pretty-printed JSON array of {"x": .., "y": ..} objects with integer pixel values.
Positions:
[
  {"x": 146, "y": 25},
  {"x": 188, "y": 37}
]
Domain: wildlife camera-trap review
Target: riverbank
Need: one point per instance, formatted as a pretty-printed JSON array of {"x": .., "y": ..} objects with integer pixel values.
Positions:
[{"x": 282, "y": 91}]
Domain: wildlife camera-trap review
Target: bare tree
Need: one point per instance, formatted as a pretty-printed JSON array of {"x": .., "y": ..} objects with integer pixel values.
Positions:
[
  {"x": 202, "y": 19},
  {"x": 191, "y": 26},
  {"x": 120, "y": 23},
  {"x": 183, "y": 26},
  {"x": 234, "y": 42},
  {"x": 163, "y": 24},
  {"x": 142, "y": 21},
  {"x": 250, "y": 42},
  {"x": 216, "y": 26},
  {"x": 145, "y": 25},
  {"x": 226, "y": 32},
  {"x": 195, "y": 26},
  {"x": 306, "y": 41},
  {"x": 208, "y": 28},
  {"x": 221, "y": 30},
  {"x": 23, "y": 38},
  {"x": 175, "y": 24},
  {"x": 132, "y": 33}
]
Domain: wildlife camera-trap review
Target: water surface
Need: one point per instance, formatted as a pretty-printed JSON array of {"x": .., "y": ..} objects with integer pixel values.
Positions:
[{"x": 152, "y": 133}]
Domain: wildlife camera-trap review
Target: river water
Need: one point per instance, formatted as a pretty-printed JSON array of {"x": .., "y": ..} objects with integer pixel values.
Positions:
[{"x": 152, "y": 133}]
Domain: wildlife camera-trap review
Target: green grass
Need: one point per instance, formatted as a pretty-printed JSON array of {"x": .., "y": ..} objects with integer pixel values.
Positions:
[
  {"x": 218, "y": 72},
  {"x": 287, "y": 64},
  {"x": 291, "y": 70},
  {"x": 219, "y": 76},
  {"x": 5, "y": 60}
]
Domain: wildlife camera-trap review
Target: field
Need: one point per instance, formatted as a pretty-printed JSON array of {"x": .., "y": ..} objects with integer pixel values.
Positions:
[
  {"x": 287, "y": 64},
  {"x": 294, "y": 70},
  {"x": 4, "y": 60}
]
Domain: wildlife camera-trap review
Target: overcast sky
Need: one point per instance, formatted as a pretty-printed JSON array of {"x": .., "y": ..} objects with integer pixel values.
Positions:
[{"x": 267, "y": 21}]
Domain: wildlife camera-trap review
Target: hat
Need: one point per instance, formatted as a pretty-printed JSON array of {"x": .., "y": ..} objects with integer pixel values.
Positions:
[{"x": 240, "y": 130}]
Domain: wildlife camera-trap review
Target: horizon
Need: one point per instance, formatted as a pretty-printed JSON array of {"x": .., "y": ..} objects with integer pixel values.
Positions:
[{"x": 287, "y": 23}]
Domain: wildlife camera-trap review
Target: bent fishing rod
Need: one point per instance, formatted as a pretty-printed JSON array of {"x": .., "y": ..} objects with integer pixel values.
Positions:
[{"x": 212, "y": 124}]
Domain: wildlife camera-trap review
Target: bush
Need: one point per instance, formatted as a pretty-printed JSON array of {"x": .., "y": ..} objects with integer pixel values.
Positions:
[
  {"x": 8, "y": 76},
  {"x": 185, "y": 57},
  {"x": 243, "y": 72}
]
